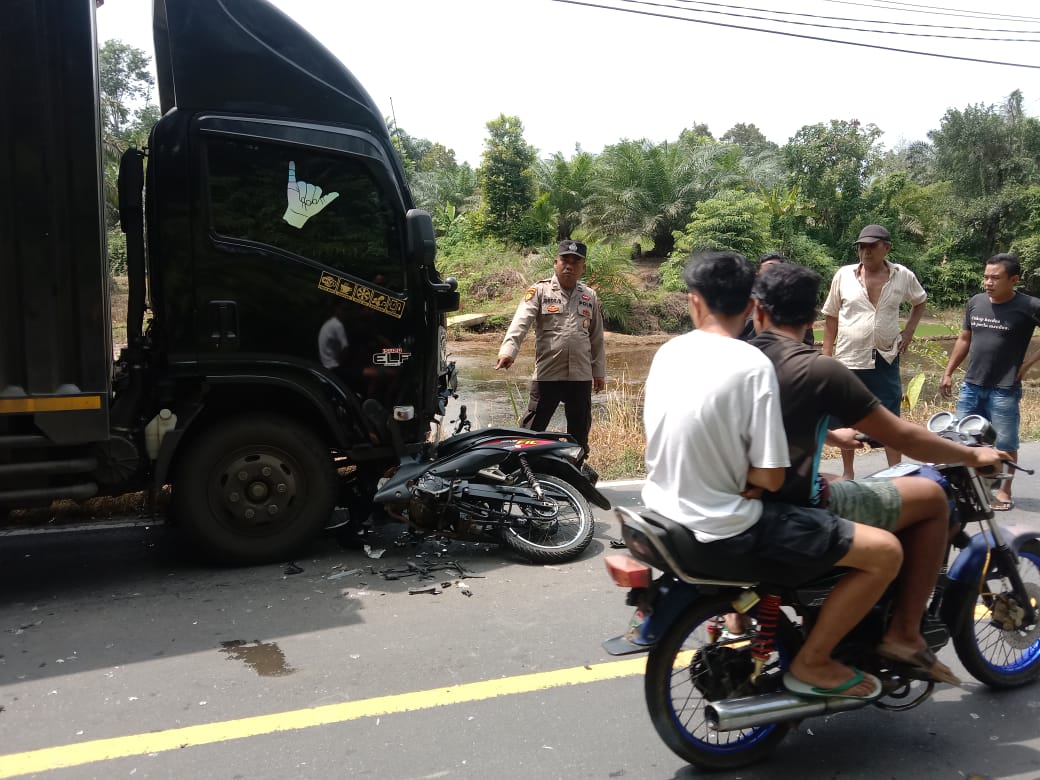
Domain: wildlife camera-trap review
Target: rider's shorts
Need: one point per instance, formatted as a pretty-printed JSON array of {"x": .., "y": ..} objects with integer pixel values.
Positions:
[
  {"x": 807, "y": 541},
  {"x": 874, "y": 502}
]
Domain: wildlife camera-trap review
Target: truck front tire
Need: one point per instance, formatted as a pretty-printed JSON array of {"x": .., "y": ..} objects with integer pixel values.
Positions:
[{"x": 253, "y": 489}]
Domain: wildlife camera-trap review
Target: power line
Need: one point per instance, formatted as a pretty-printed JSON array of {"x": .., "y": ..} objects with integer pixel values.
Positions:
[
  {"x": 797, "y": 35},
  {"x": 852, "y": 19},
  {"x": 829, "y": 26},
  {"x": 910, "y": 10}
]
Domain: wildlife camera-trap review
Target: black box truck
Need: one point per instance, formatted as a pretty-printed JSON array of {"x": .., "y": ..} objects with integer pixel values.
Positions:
[{"x": 283, "y": 298}]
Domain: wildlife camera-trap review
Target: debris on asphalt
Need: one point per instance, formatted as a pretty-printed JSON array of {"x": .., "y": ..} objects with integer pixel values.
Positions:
[
  {"x": 617, "y": 544},
  {"x": 464, "y": 588},
  {"x": 345, "y": 573},
  {"x": 291, "y": 568},
  {"x": 371, "y": 553},
  {"x": 425, "y": 570},
  {"x": 427, "y": 589}
]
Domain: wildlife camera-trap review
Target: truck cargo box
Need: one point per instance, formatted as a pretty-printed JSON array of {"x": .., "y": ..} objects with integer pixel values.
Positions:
[{"x": 55, "y": 332}]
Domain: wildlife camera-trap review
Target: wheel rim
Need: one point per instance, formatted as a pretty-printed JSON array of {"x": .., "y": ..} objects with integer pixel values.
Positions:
[
  {"x": 256, "y": 491},
  {"x": 1006, "y": 651},
  {"x": 693, "y": 673},
  {"x": 567, "y": 525}
]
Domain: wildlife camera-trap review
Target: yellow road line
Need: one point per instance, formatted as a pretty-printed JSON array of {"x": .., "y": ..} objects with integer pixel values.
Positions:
[{"x": 44, "y": 759}]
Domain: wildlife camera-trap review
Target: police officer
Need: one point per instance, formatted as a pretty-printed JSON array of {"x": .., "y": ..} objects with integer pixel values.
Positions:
[{"x": 570, "y": 361}]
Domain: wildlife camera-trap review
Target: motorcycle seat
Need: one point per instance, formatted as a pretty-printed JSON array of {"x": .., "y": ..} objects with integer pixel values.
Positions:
[{"x": 702, "y": 562}]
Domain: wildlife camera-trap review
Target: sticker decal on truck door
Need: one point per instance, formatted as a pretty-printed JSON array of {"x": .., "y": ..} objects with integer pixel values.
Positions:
[
  {"x": 304, "y": 200},
  {"x": 359, "y": 293}
]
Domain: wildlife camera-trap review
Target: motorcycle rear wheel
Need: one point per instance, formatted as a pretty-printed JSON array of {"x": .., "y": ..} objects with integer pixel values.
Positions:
[
  {"x": 996, "y": 657},
  {"x": 561, "y": 540},
  {"x": 677, "y": 677}
]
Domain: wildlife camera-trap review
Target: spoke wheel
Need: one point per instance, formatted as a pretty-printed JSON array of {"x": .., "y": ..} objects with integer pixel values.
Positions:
[
  {"x": 552, "y": 536},
  {"x": 995, "y": 648},
  {"x": 686, "y": 670}
]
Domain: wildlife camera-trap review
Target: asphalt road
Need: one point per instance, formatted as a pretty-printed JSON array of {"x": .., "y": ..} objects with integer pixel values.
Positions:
[{"x": 120, "y": 659}]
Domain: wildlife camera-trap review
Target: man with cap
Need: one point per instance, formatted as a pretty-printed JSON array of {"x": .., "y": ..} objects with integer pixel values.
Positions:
[
  {"x": 861, "y": 325},
  {"x": 570, "y": 360}
]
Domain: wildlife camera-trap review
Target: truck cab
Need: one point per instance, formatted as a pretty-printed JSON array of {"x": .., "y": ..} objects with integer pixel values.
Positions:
[{"x": 284, "y": 303}]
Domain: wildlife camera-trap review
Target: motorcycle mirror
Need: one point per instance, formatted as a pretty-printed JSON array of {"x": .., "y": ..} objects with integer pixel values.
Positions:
[
  {"x": 978, "y": 426},
  {"x": 940, "y": 421}
]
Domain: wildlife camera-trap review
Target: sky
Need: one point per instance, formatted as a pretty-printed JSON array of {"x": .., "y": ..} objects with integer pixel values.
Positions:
[{"x": 580, "y": 74}]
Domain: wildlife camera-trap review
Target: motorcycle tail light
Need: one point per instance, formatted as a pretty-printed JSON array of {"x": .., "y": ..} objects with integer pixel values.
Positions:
[{"x": 627, "y": 572}]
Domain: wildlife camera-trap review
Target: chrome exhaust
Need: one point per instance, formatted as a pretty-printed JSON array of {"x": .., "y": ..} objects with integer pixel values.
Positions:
[{"x": 749, "y": 711}]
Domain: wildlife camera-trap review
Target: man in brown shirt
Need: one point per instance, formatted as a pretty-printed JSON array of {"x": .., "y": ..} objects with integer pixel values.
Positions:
[{"x": 570, "y": 360}]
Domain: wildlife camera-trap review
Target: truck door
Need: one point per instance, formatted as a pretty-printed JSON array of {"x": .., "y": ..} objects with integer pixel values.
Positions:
[{"x": 299, "y": 256}]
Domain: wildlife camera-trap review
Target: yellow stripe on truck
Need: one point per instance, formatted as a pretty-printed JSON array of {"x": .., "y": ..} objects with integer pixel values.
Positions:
[{"x": 61, "y": 403}]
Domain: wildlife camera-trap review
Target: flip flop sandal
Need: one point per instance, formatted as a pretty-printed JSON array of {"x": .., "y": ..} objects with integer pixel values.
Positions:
[
  {"x": 1002, "y": 506},
  {"x": 800, "y": 688},
  {"x": 923, "y": 661}
]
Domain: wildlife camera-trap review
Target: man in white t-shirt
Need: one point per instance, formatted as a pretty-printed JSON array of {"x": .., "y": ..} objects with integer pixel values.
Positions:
[
  {"x": 715, "y": 439},
  {"x": 332, "y": 341}
]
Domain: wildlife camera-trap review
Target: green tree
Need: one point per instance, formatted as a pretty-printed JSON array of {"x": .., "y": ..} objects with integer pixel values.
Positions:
[
  {"x": 126, "y": 84},
  {"x": 446, "y": 186},
  {"x": 733, "y": 219},
  {"x": 749, "y": 138},
  {"x": 127, "y": 116},
  {"x": 832, "y": 164},
  {"x": 982, "y": 149},
  {"x": 647, "y": 189},
  {"x": 506, "y": 177},
  {"x": 567, "y": 185}
]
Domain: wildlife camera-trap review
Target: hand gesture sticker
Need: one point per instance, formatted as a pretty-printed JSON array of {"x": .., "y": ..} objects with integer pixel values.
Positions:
[{"x": 305, "y": 200}]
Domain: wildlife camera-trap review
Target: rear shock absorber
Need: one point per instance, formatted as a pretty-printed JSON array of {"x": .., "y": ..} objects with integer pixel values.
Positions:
[
  {"x": 763, "y": 644},
  {"x": 529, "y": 475}
]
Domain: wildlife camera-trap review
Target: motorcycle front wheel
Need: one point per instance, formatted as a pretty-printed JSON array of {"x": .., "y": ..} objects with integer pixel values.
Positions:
[
  {"x": 992, "y": 649},
  {"x": 553, "y": 539},
  {"x": 686, "y": 670}
]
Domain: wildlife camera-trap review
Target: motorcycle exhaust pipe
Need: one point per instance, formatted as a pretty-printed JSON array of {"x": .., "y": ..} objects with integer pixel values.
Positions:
[{"x": 749, "y": 711}]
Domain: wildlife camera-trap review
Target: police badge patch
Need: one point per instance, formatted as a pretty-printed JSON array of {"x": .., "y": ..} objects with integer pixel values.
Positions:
[{"x": 529, "y": 294}]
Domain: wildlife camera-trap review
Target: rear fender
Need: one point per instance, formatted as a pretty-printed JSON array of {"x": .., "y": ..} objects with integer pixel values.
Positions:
[{"x": 669, "y": 597}]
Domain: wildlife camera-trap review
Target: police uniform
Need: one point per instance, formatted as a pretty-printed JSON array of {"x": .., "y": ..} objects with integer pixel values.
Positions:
[{"x": 569, "y": 352}]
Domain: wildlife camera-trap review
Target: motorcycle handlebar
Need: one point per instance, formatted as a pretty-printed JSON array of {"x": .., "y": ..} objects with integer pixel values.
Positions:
[
  {"x": 1015, "y": 467},
  {"x": 868, "y": 441},
  {"x": 1009, "y": 463}
]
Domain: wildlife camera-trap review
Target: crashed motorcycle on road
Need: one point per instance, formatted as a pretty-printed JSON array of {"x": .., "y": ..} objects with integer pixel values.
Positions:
[
  {"x": 511, "y": 486},
  {"x": 717, "y": 699}
]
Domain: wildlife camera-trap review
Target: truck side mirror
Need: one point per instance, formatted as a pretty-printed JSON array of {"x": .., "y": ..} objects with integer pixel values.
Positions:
[{"x": 422, "y": 247}]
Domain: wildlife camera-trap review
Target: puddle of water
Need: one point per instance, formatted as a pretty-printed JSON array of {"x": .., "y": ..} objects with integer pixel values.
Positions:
[
  {"x": 499, "y": 397},
  {"x": 265, "y": 658}
]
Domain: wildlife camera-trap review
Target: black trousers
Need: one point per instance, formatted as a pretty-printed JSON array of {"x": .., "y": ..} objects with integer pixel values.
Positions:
[{"x": 576, "y": 398}]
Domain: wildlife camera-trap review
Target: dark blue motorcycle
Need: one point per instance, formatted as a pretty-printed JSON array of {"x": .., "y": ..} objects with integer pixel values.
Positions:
[{"x": 717, "y": 698}]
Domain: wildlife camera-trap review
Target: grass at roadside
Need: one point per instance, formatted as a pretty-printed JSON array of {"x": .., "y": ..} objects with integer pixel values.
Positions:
[{"x": 618, "y": 444}]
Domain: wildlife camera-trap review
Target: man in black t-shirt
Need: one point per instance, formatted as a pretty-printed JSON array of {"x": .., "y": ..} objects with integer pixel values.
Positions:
[
  {"x": 998, "y": 326},
  {"x": 812, "y": 388},
  {"x": 768, "y": 260}
]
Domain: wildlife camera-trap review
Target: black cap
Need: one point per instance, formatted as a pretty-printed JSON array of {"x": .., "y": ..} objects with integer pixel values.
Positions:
[
  {"x": 871, "y": 234},
  {"x": 569, "y": 247}
]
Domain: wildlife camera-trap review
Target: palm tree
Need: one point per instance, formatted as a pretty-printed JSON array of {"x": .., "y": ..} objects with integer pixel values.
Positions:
[
  {"x": 648, "y": 189},
  {"x": 567, "y": 183}
]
